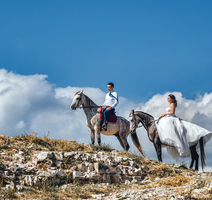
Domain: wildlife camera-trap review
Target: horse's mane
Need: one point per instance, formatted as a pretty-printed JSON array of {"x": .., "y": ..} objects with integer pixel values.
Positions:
[
  {"x": 89, "y": 101},
  {"x": 145, "y": 118},
  {"x": 143, "y": 114}
]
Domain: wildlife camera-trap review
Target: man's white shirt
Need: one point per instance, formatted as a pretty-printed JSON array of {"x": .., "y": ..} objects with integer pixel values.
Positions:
[{"x": 111, "y": 99}]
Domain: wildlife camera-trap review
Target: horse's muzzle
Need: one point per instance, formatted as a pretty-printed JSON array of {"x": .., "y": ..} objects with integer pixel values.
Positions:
[{"x": 73, "y": 107}]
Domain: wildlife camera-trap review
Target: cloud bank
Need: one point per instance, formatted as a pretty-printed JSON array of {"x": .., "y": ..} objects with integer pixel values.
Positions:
[{"x": 31, "y": 103}]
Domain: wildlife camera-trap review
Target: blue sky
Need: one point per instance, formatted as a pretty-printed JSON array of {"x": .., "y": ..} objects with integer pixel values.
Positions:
[
  {"x": 51, "y": 49},
  {"x": 144, "y": 47}
]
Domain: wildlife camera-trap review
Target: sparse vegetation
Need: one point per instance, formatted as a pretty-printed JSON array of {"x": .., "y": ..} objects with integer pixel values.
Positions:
[
  {"x": 103, "y": 147},
  {"x": 8, "y": 194},
  {"x": 155, "y": 174},
  {"x": 200, "y": 184}
]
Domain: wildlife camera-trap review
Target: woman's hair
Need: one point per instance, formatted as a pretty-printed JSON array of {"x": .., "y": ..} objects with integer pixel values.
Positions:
[{"x": 173, "y": 99}]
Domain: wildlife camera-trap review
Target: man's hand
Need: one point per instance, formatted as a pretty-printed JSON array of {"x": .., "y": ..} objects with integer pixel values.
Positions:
[{"x": 108, "y": 108}]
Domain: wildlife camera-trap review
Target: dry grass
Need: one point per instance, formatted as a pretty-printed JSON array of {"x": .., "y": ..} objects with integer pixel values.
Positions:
[
  {"x": 84, "y": 191},
  {"x": 2, "y": 141},
  {"x": 31, "y": 143},
  {"x": 176, "y": 181},
  {"x": 170, "y": 176},
  {"x": 73, "y": 191}
]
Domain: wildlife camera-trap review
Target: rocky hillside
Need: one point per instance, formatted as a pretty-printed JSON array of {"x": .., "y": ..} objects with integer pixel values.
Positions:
[{"x": 42, "y": 168}]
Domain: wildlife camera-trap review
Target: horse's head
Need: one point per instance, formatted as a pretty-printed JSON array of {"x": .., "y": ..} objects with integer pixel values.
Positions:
[
  {"x": 133, "y": 122},
  {"x": 77, "y": 100}
]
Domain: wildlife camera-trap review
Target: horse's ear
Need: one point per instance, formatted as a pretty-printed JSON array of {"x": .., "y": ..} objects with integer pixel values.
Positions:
[
  {"x": 132, "y": 112},
  {"x": 80, "y": 92}
]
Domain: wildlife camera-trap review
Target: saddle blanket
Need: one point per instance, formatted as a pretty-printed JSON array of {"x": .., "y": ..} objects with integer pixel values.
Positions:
[{"x": 112, "y": 118}]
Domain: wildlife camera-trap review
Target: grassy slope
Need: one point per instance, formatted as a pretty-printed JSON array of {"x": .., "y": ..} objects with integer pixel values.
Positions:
[{"x": 156, "y": 173}]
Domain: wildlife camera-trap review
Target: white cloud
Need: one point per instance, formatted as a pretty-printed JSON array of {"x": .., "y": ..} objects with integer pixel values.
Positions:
[
  {"x": 20, "y": 125},
  {"x": 31, "y": 103}
]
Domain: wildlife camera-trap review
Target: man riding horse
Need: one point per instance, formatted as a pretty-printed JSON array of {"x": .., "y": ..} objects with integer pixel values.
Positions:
[{"x": 111, "y": 101}]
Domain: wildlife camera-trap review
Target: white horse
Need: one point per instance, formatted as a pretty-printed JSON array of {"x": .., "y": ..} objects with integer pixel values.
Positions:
[{"x": 120, "y": 128}]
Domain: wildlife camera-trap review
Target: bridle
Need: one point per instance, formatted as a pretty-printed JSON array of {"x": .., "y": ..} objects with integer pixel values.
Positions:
[
  {"x": 150, "y": 122},
  {"x": 143, "y": 124},
  {"x": 88, "y": 107},
  {"x": 80, "y": 107}
]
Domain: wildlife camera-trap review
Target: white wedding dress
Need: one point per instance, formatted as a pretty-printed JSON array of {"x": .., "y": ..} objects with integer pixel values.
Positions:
[{"x": 179, "y": 135}]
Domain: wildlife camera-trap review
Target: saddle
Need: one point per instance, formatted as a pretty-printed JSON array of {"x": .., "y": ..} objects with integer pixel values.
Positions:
[{"x": 112, "y": 118}]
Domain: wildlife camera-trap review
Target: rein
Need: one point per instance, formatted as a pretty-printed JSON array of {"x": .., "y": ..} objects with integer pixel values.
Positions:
[
  {"x": 150, "y": 122},
  {"x": 89, "y": 107}
]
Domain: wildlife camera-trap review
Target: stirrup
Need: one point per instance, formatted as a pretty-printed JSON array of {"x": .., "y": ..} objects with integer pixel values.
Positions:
[{"x": 104, "y": 126}]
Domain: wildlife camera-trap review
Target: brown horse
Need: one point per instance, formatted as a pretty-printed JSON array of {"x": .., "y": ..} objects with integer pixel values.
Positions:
[
  {"x": 148, "y": 123},
  {"x": 121, "y": 128}
]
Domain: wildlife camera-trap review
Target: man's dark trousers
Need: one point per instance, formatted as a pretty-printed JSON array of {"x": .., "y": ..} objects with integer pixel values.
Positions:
[{"x": 107, "y": 114}]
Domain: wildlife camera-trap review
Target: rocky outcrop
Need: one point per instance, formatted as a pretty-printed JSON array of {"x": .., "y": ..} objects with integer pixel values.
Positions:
[
  {"x": 69, "y": 170},
  {"x": 60, "y": 166}
]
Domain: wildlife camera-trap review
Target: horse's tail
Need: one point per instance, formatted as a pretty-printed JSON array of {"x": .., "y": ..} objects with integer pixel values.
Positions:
[
  {"x": 202, "y": 153},
  {"x": 136, "y": 142}
]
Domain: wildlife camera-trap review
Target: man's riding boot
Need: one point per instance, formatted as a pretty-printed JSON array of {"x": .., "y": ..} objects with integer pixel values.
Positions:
[{"x": 104, "y": 126}]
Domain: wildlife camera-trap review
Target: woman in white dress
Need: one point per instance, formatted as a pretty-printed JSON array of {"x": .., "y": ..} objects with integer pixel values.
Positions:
[{"x": 178, "y": 134}]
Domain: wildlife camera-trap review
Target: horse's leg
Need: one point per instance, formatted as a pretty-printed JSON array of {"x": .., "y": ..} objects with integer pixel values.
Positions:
[
  {"x": 192, "y": 162},
  {"x": 97, "y": 130},
  {"x": 98, "y": 138},
  {"x": 197, "y": 158},
  {"x": 157, "y": 145},
  {"x": 120, "y": 140},
  {"x": 126, "y": 144},
  {"x": 202, "y": 152},
  {"x": 92, "y": 133},
  {"x": 136, "y": 142},
  {"x": 124, "y": 140},
  {"x": 194, "y": 157}
]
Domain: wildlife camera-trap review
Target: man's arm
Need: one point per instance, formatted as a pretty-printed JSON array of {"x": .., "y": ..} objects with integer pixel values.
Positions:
[{"x": 114, "y": 95}]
